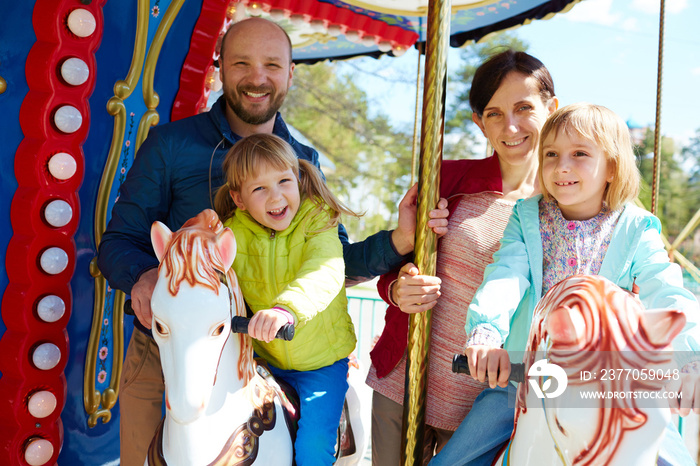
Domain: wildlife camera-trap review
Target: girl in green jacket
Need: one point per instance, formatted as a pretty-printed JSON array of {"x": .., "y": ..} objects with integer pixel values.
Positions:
[{"x": 289, "y": 263}]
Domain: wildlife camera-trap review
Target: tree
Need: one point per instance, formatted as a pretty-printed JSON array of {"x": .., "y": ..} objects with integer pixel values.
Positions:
[
  {"x": 691, "y": 159},
  {"x": 676, "y": 203},
  {"x": 691, "y": 155},
  {"x": 372, "y": 159}
]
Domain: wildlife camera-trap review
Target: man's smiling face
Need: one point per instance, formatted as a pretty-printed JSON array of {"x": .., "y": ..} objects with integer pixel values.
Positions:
[{"x": 256, "y": 70}]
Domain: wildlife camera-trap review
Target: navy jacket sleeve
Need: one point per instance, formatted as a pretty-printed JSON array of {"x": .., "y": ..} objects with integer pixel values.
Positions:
[{"x": 367, "y": 259}]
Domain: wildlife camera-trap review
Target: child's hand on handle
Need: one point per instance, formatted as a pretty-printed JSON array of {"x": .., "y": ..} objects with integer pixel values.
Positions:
[
  {"x": 488, "y": 362},
  {"x": 688, "y": 385},
  {"x": 266, "y": 323}
]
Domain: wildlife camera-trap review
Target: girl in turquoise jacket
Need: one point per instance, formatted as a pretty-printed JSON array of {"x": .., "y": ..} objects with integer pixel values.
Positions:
[
  {"x": 289, "y": 263},
  {"x": 583, "y": 223}
]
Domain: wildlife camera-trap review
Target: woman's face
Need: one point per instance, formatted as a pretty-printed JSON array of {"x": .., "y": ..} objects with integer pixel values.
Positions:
[{"x": 513, "y": 118}]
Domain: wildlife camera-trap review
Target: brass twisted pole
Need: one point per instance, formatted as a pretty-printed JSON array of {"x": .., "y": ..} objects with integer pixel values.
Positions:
[
  {"x": 413, "y": 427},
  {"x": 656, "y": 176},
  {"x": 414, "y": 151}
]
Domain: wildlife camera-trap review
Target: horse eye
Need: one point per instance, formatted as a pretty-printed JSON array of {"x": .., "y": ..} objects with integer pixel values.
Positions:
[
  {"x": 218, "y": 330},
  {"x": 160, "y": 328}
]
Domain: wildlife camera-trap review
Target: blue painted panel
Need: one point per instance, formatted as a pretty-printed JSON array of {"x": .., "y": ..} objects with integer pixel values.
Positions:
[{"x": 17, "y": 39}]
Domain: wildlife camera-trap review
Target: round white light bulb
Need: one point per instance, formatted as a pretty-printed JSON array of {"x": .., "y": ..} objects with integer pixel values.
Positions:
[
  {"x": 81, "y": 22},
  {"x": 297, "y": 20},
  {"x": 367, "y": 41},
  {"x": 75, "y": 71},
  {"x": 317, "y": 25},
  {"x": 254, "y": 9},
  {"x": 384, "y": 46},
  {"x": 46, "y": 356},
  {"x": 335, "y": 30},
  {"x": 398, "y": 51},
  {"x": 42, "y": 404},
  {"x": 38, "y": 452},
  {"x": 62, "y": 165},
  {"x": 51, "y": 308},
  {"x": 68, "y": 119},
  {"x": 54, "y": 260},
  {"x": 276, "y": 14},
  {"x": 352, "y": 36},
  {"x": 58, "y": 213}
]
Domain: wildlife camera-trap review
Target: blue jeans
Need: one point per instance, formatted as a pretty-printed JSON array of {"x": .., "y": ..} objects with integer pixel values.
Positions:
[
  {"x": 673, "y": 451},
  {"x": 321, "y": 395},
  {"x": 483, "y": 432}
]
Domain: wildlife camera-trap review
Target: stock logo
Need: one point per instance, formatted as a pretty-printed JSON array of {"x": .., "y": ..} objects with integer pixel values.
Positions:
[{"x": 542, "y": 368}]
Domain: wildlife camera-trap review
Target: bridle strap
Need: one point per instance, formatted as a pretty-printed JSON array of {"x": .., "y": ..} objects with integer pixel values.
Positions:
[{"x": 224, "y": 280}]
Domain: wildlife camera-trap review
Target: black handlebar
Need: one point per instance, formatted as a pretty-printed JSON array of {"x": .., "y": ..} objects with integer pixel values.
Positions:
[
  {"x": 238, "y": 324},
  {"x": 461, "y": 366}
]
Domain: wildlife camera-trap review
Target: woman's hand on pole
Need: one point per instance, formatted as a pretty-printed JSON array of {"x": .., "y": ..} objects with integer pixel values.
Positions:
[{"x": 415, "y": 293}]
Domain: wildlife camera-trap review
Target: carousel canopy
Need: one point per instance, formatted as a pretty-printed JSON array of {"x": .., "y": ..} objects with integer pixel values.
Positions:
[{"x": 332, "y": 29}]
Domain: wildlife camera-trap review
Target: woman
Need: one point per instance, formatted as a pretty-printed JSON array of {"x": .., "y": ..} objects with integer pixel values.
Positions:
[{"x": 512, "y": 95}]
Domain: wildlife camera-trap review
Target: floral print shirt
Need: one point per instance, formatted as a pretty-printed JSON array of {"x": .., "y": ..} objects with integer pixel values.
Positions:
[{"x": 572, "y": 247}]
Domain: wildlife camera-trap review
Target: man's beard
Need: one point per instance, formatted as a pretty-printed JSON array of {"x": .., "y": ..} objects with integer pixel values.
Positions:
[{"x": 235, "y": 103}]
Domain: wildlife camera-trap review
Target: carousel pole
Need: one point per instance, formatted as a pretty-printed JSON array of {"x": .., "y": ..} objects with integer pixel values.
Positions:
[
  {"x": 656, "y": 172},
  {"x": 432, "y": 127}
]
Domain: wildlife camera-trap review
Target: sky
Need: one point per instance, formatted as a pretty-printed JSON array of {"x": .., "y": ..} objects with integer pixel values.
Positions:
[{"x": 601, "y": 51}]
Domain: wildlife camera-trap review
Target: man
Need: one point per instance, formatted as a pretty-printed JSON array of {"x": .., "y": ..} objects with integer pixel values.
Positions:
[{"x": 177, "y": 169}]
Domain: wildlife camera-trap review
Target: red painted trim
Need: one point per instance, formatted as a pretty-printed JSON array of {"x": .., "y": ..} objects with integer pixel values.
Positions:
[
  {"x": 28, "y": 283},
  {"x": 192, "y": 95}
]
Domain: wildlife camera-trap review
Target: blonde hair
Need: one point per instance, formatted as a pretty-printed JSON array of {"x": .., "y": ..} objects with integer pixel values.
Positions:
[
  {"x": 601, "y": 125},
  {"x": 254, "y": 152}
]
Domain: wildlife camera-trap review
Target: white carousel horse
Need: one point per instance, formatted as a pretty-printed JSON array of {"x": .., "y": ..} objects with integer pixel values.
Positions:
[
  {"x": 219, "y": 411},
  {"x": 587, "y": 323}
]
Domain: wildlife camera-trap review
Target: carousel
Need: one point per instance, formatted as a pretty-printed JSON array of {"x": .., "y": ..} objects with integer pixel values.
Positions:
[{"x": 81, "y": 84}]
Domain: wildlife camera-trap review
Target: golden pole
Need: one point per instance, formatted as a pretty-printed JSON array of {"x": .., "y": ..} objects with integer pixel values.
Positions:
[
  {"x": 432, "y": 128},
  {"x": 414, "y": 151}
]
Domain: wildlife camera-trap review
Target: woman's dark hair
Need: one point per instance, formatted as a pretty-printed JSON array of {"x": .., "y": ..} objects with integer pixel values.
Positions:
[{"x": 488, "y": 77}]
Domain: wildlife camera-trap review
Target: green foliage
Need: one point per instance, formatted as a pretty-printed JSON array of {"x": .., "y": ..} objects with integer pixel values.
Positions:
[
  {"x": 372, "y": 159},
  {"x": 691, "y": 153},
  {"x": 679, "y": 189}
]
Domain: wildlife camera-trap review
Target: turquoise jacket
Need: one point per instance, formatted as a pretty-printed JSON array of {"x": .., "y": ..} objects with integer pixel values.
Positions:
[
  {"x": 512, "y": 284},
  {"x": 303, "y": 274}
]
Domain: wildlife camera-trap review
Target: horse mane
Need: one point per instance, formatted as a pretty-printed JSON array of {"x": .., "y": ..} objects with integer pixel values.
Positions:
[
  {"x": 192, "y": 256},
  {"x": 611, "y": 339}
]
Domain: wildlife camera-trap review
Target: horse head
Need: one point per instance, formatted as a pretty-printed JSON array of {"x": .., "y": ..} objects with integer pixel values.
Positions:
[
  {"x": 588, "y": 325},
  {"x": 193, "y": 302}
]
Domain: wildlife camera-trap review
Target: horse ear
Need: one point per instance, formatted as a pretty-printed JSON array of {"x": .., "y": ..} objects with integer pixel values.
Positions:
[
  {"x": 160, "y": 237},
  {"x": 566, "y": 327},
  {"x": 226, "y": 245},
  {"x": 662, "y": 325}
]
